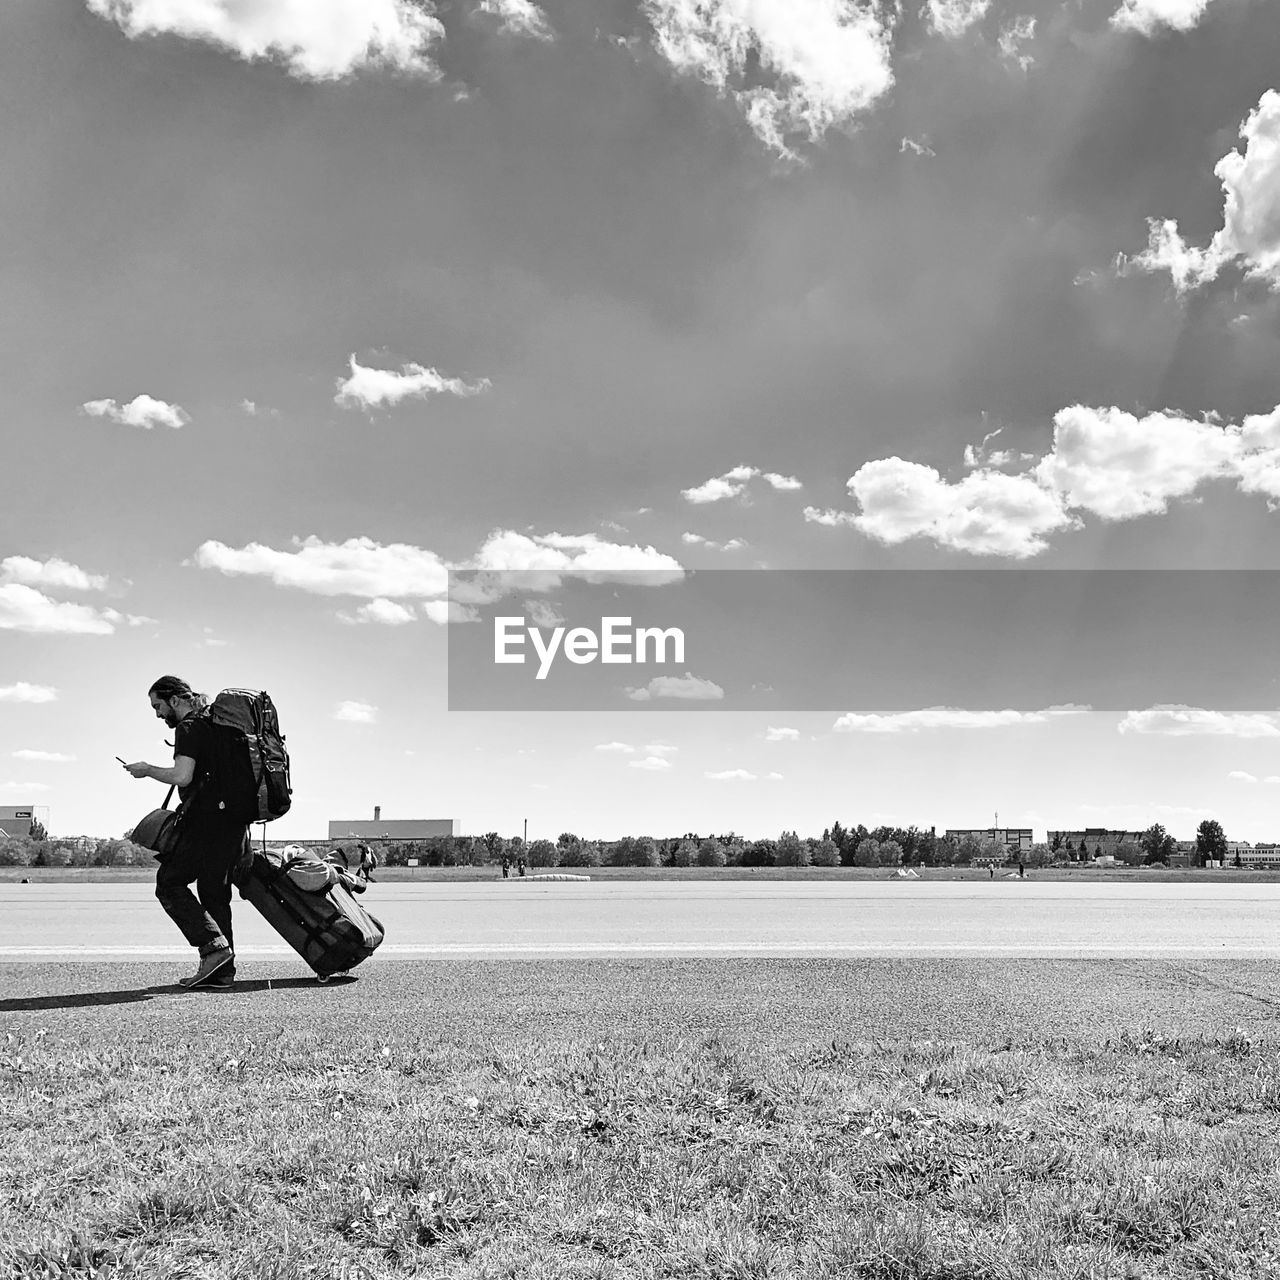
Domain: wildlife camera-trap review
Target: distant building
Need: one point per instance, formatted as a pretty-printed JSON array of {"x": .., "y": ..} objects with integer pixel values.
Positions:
[
  {"x": 1258, "y": 855},
  {"x": 381, "y": 828},
  {"x": 18, "y": 821},
  {"x": 1105, "y": 838},
  {"x": 1015, "y": 839}
]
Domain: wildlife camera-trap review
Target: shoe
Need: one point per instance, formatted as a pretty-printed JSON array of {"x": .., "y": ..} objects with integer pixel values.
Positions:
[{"x": 214, "y": 962}]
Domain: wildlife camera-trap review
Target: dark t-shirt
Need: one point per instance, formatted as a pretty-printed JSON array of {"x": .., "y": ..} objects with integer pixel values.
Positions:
[{"x": 192, "y": 738}]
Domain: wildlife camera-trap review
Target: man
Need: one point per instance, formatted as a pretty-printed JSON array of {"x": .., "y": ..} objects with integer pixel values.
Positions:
[{"x": 209, "y": 842}]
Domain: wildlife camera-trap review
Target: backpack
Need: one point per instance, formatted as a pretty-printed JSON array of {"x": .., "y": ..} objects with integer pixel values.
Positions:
[{"x": 249, "y": 773}]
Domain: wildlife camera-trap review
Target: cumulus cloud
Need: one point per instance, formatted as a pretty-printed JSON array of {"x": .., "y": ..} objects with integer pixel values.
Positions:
[
  {"x": 688, "y": 688},
  {"x": 54, "y": 573},
  {"x": 620, "y": 747},
  {"x": 388, "y": 613},
  {"x": 42, "y": 757},
  {"x": 356, "y": 567},
  {"x": 916, "y": 148},
  {"x": 23, "y": 608},
  {"x": 142, "y": 411},
  {"x": 554, "y": 555},
  {"x": 519, "y": 17},
  {"x": 1012, "y": 37},
  {"x": 1119, "y": 466},
  {"x": 795, "y": 68},
  {"x": 369, "y": 388},
  {"x": 952, "y": 18},
  {"x": 356, "y": 712},
  {"x": 397, "y": 577},
  {"x": 986, "y": 513},
  {"x": 697, "y": 540},
  {"x": 733, "y": 484},
  {"x": 24, "y": 692},
  {"x": 654, "y": 764},
  {"x": 1148, "y": 16},
  {"x": 731, "y": 775},
  {"x": 1180, "y": 721},
  {"x": 949, "y": 718},
  {"x": 1250, "y": 232},
  {"x": 314, "y": 39},
  {"x": 781, "y": 735},
  {"x": 1104, "y": 462}
]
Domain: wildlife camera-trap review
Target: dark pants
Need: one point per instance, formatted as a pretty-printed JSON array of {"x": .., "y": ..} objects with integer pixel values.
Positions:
[{"x": 206, "y": 854}]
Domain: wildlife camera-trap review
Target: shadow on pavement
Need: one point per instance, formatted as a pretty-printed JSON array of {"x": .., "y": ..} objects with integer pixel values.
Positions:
[{"x": 88, "y": 999}]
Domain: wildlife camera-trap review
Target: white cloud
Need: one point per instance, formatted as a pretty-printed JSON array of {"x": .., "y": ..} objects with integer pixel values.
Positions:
[
  {"x": 733, "y": 484},
  {"x": 55, "y": 573},
  {"x": 697, "y": 540},
  {"x": 24, "y": 692},
  {"x": 1104, "y": 461},
  {"x": 620, "y": 747},
  {"x": 580, "y": 555},
  {"x": 254, "y": 410},
  {"x": 23, "y": 608},
  {"x": 142, "y": 411},
  {"x": 949, "y": 718},
  {"x": 519, "y": 17},
  {"x": 825, "y": 61},
  {"x": 1250, "y": 232},
  {"x": 1180, "y": 721},
  {"x": 781, "y": 735},
  {"x": 315, "y": 39},
  {"x": 1239, "y": 775},
  {"x": 1012, "y": 37},
  {"x": 386, "y": 612},
  {"x": 687, "y": 688},
  {"x": 445, "y": 611},
  {"x": 357, "y": 567},
  {"x": 729, "y": 485},
  {"x": 661, "y": 749},
  {"x": 731, "y": 775},
  {"x": 916, "y": 148},
  {"x": 541, "y": 613},
  {"x": 1118, "y": 466},
  {"x": 356, "y": 712},
  {"x": 773, "y": 777},
  {"x": 1147, "y": 16},
  {"x": 43, "y": 757},
  {"x": 369, "y": 388},
  {"x": 654, "y": 764},
  {"x": 952, "y": 18},
  {"x": 985, "y": 513}
]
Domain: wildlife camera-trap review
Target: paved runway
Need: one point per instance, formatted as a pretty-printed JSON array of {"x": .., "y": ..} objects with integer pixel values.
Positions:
[{"x": 1001, "y": 918}]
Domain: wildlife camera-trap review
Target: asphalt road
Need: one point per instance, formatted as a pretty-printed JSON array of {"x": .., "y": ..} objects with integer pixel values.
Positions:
[{"x": 531, "y": 918}]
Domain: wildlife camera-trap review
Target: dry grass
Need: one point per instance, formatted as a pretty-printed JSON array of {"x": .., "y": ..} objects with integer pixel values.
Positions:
[{"x": 354, "y": 1156}]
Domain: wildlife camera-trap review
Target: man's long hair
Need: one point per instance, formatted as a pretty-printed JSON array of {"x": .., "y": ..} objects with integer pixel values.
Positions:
[{"x": 170, "y": 687}]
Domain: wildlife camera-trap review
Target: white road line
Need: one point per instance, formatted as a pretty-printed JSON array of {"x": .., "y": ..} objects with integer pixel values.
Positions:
[{"x": 869, "y": 950}]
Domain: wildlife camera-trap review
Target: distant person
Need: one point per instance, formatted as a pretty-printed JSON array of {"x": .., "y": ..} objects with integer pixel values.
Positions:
[
  {"x": 520, "y": 862},
  {"x": 1022, "y": 870},
  {"x": 506, "y": 864},
  {"x": 209, "y": 842},
  {"x": 991, "y": 870}
]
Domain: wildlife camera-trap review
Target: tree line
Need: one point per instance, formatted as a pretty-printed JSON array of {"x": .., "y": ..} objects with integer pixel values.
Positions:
[{"x": 838, "y": 846}]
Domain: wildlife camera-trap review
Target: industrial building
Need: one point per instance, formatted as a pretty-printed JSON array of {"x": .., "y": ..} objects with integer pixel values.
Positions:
[
  {"x": 1015, "y": 839},
  {"x": 380, "y": 828},
  {"x": 18, "y": 820}
]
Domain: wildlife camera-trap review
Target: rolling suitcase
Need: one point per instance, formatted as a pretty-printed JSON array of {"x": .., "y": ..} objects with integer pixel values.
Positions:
[{"x": 311, "y": 904}]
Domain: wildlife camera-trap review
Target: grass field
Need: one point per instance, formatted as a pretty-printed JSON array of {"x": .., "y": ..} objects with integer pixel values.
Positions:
[
  {"x": 814, "y": 875},
  {"x": 962, "y": 1120}
]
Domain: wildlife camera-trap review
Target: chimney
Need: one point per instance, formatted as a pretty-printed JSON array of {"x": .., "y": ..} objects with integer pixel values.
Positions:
[{"x": 377, "y": 813}]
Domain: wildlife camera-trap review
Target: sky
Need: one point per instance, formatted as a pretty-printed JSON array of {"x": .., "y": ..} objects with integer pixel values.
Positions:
[{"x": 309, "y": 305}]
